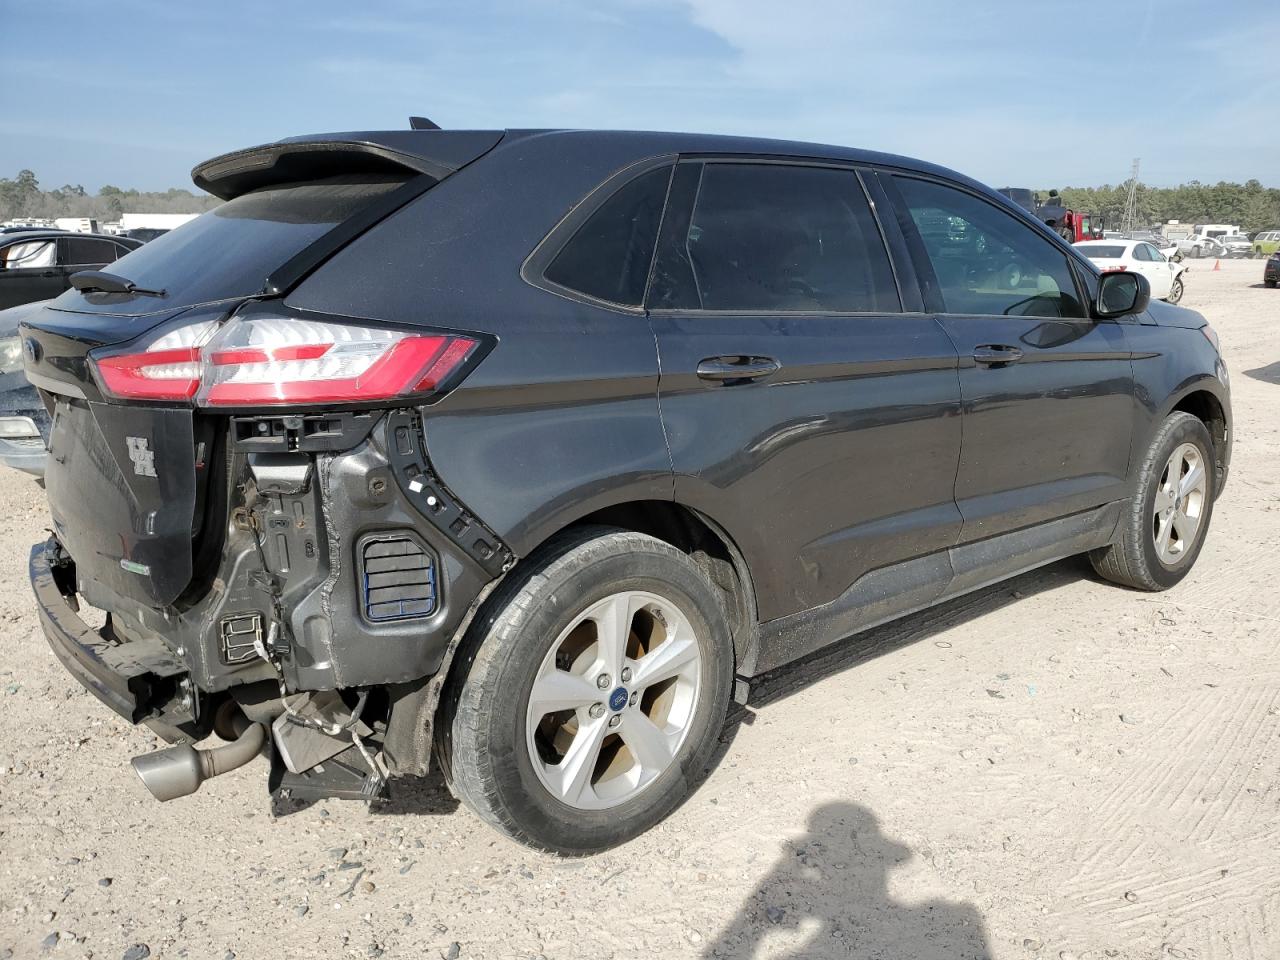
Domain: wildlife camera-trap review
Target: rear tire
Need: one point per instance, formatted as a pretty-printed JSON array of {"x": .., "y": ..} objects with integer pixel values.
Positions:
[
  {"x": 586, "y": 776},
  {"x": 1165, "y": 520}
]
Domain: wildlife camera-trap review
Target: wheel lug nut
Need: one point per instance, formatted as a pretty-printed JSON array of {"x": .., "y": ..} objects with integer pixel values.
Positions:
[
  {"x": 634, "y": 698},
  {"x": 597, "y": 710},
  {"x": 602, "y": 681},
  {"x": 626, "y": 674},
  {"x": 615, "y": 720}
]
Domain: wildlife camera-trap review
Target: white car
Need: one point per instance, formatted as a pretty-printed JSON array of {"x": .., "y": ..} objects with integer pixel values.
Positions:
[{"x": 1164, "y": 275}]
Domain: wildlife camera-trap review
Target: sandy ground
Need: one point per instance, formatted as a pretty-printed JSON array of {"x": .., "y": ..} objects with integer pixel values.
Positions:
[{"x": 1053, "y": 767}]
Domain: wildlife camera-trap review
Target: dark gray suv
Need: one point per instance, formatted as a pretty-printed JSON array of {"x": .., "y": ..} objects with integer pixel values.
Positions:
[{"x": 527, "y": 451}]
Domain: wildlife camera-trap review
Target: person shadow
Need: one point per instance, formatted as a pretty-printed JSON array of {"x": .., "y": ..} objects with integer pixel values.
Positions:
[{"x": 828, "y": 896}]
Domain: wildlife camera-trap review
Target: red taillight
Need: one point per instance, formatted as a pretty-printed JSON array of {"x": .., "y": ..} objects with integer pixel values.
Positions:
[
  {"x": 1119, "y": 269},
  {"x": 269, "y": 361},
  {"x": 167, "y": 369}
]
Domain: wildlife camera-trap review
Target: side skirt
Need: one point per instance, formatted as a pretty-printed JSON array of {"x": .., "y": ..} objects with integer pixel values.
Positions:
[{"x": 895, "y": 591}]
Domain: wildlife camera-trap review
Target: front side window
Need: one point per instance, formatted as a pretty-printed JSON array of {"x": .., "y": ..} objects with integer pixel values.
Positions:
[
  {"x": 775, "y": 238},
  {"x": 609, "y": 256},
  {"x": 32, "y": 253},
  {"x": 986, "y": 261}
]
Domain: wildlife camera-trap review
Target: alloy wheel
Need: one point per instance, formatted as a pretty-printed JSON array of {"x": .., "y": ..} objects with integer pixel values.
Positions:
[
  {"x": 613, "y": 700},
  {"x": 1179, "y": 504}
]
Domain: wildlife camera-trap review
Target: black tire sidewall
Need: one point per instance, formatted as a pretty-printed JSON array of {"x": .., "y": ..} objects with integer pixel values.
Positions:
[
  {"x": 552, "y": 603},
  {"x": 1185, "y": 429}
]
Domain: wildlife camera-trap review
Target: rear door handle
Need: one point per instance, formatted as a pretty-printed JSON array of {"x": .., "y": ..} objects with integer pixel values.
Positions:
[
  {"x": 726, "y": 369},
  {"x": 996, "y": 354}
]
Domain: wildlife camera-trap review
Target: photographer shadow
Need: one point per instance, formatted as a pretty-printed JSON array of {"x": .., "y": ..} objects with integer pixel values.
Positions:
[{"x": 828, "y": 896}]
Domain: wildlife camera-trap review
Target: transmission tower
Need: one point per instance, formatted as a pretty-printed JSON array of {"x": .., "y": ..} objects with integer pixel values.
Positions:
[{"x": 1131, "y": 201}]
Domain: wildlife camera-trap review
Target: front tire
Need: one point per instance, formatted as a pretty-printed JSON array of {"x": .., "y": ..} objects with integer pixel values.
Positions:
[
  {"x": 1175, "y": 290},
  {"x": 598, "y": 689},
  {"x": 1165, "y": 520}
]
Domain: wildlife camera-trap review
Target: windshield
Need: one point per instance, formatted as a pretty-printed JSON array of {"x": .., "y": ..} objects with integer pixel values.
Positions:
[
  {"x": 1101, "y": 251},
  {"x": 230, "y": 251}
]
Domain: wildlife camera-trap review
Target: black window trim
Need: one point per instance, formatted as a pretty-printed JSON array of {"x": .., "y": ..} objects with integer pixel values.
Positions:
[
  {"x": 924, "y": 268},
  {"x": 533, "y": 270},
  {"x": 854, "y": 167}
]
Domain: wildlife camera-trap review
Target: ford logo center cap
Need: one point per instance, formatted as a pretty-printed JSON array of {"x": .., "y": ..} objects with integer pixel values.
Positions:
[{"x": 618, "y": 699}]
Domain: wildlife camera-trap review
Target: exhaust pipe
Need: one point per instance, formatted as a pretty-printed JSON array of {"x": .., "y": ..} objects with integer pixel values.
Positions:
[{"x": 178, "y": 771}]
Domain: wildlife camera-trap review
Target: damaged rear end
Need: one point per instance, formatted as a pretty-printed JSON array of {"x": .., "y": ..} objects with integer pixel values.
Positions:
[{"x": 243, "y": 486}]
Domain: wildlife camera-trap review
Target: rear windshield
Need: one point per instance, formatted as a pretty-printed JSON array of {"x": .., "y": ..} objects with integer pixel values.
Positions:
[
  {"x": 230, "y": 251},
  {"x": 1100, "y": 251}
]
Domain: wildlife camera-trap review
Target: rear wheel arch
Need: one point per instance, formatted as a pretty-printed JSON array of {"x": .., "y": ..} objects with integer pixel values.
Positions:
[
  {"x": 706, "y": 542},
  {"x": 681, "y": 526}
]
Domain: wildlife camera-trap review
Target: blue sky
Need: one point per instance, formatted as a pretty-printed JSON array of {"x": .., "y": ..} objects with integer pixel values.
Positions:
[{"x": 135, "y": 92}]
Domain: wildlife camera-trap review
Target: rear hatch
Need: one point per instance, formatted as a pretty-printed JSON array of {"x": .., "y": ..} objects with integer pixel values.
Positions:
[{"x": 127, "y": 482}]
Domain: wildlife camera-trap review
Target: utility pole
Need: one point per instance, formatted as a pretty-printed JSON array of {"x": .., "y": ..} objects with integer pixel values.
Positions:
[{"x": 1131, "y": 201}]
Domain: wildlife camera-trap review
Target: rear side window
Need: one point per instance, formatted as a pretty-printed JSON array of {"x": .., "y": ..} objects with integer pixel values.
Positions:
[
  {"x": 83, "y": 251},
  {"x": 609, "y": 256},
  {"x": 988, "y": 262},
  {"x": 776, "y": 238},
  {"x": 1098, "y": 251},
  {"x": 231, "y": 250}
]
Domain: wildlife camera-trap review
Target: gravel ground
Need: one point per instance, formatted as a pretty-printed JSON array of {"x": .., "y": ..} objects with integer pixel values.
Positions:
[{"x": 1052, "y": 767}]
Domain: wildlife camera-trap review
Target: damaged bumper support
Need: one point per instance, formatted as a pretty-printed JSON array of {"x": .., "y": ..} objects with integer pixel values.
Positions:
[{"x": 343, "y": 586}]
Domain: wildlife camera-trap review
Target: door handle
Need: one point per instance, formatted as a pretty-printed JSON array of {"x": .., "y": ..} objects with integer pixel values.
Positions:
[
  {"x": 996, "y": 354},
  {"x": 728, "y": 369},
  {"x": 49, "y": 273}
]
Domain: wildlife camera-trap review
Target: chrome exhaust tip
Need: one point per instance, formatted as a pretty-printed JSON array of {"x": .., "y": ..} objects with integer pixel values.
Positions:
[
  {"x": 178, "y": 771},
  {"x": 170, "y": 773}
]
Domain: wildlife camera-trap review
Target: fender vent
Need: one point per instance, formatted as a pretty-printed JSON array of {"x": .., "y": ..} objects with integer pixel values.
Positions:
[{"x": 398, "y": 578}]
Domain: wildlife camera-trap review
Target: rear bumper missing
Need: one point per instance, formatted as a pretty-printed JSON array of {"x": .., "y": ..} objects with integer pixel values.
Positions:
[{"x": 135, "y": 679}]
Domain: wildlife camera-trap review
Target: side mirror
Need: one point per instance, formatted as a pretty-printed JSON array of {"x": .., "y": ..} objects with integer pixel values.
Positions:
[{"x": 1121, "y": 293}]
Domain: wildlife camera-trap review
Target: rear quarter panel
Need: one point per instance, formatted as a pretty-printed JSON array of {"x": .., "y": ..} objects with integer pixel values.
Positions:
[{"x": 561, "y": 418}]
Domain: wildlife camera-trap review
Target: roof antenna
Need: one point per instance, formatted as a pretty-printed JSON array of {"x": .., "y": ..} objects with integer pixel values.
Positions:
[{"x": 422, "y": 123}]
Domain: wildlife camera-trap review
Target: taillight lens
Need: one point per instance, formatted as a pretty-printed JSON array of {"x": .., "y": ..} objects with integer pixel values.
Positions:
[
  {"x": 279, "y": 361},
  {"x": 167, "y": 369},
  {"x": 1119, "y": 269}
]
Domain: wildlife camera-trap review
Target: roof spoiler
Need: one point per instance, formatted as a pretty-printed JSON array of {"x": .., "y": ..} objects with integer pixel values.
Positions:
[{"x": 435, "y": 153}]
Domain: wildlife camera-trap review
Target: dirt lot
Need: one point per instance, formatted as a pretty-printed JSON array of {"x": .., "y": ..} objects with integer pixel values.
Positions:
[{"x": 1052, "y": 767}]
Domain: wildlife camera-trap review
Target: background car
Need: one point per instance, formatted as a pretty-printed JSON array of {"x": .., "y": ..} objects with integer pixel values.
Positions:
[
  {"x": 37, "y": 265},
  {"x": 24, "y": 422},
  {"x": 1164, "y": 275},
  {"x": 1266, "y": 243},
  {"x": 1199, "y": 246},
  {"x": 1237, "y": 246}
]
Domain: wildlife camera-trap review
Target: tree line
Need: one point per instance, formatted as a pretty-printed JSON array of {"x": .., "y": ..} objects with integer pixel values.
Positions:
[
  {"x": 1249, "y": 205},
  {"x": 22, "y": 196}
]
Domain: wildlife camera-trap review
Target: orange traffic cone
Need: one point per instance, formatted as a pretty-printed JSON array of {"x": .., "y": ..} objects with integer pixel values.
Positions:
[{"x": 1217, "y": 265}]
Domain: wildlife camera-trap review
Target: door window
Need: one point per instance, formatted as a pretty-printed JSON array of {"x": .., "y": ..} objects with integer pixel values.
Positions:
[
  {"x": 32, "y": 253},
  {"x": 609, "y": 256},
  {"x": 1142, "y": 252},
  {"x": 86, "y": 251},
  {"x": 986, "y": 261},
  {"x": 774, "y": 238}
]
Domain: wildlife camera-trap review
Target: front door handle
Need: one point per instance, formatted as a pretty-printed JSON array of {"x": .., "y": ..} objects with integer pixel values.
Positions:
[
  {"x": 728, "y": 369},
  {"x": 996, "y": 354}
]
